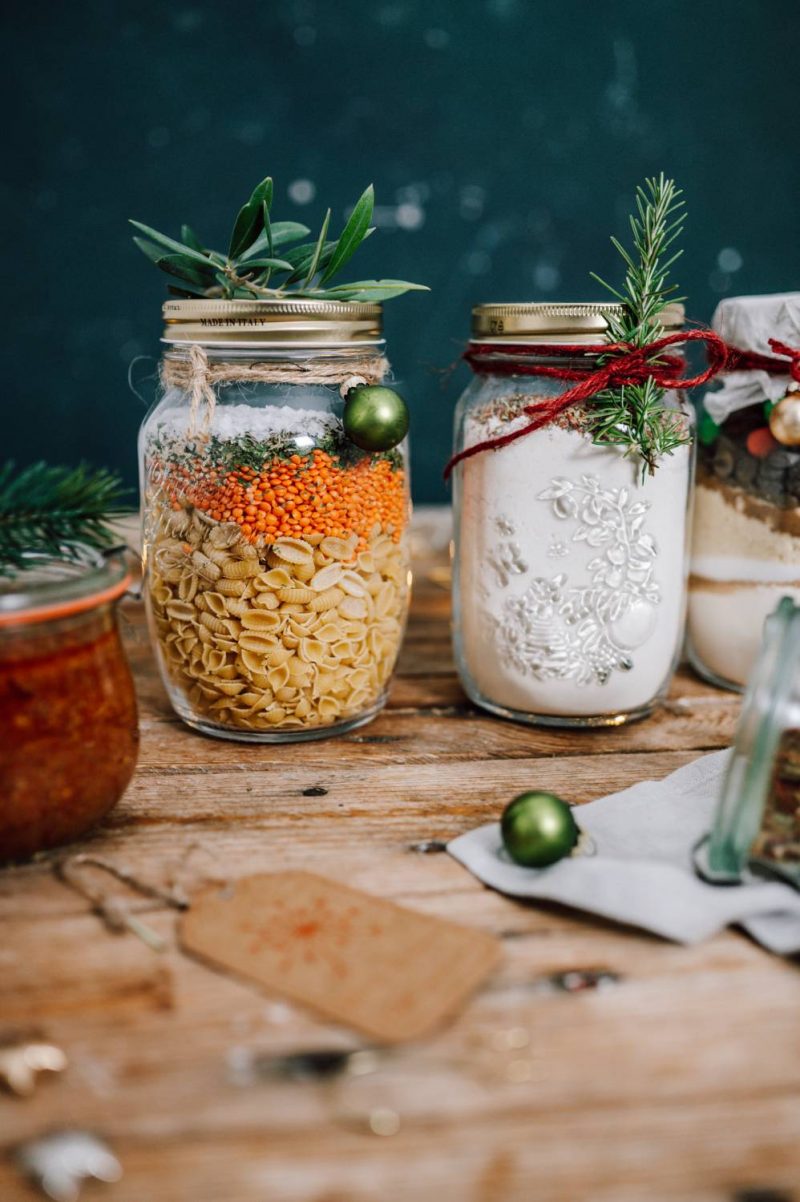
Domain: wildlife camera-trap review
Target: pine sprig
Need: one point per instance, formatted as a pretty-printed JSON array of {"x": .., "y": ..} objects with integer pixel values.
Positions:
[
  {"x": 55, "y": 511},
  {"x": 635, "y": 416},
  {"x": 261, "y": 251}
]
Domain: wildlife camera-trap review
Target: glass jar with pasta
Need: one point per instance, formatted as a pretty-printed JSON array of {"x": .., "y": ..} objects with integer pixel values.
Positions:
[{"x": 276, "y": 562}]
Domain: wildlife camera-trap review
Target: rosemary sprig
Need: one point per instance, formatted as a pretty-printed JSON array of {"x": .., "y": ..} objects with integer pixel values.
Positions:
[
  {"x": 262, "y": 251},
  {"x": 55, "y": 511},
  {"x": 635, "y": 416}
]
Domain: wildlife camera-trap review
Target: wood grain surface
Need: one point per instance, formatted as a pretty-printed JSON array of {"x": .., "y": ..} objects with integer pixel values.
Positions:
[{"x": 676, "y": 1081}]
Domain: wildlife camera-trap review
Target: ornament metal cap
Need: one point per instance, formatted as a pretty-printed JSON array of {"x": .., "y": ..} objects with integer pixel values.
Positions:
[
  {"x": 579, "y": 322},
  {"x": 280, "y": 323}
]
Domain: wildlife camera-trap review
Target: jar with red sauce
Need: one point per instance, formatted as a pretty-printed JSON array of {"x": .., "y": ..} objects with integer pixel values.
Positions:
[
  {"x": 275, "y": 548},
  {"x": 68, "y": 720}
]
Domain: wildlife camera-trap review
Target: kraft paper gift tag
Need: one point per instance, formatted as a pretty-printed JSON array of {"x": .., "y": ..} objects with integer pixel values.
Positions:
[{"x": 392, "y": 973}]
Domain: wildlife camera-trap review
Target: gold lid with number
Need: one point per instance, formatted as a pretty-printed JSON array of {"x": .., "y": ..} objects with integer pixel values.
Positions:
[
  {"x": 554, "y": 322},
  {"x": 265, "y": 323}
]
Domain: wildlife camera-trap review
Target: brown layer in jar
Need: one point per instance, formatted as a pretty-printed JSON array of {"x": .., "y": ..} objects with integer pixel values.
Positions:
[
  {"x": 69, "y": 731},
  {"x": 779, "y": 837},
  {"x": 781, "y": 520}
]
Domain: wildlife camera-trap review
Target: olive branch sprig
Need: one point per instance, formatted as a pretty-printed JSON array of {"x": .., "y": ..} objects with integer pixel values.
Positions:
[
  {"x": 267, "y": 260},
  {"x": 635, "y": 416}
]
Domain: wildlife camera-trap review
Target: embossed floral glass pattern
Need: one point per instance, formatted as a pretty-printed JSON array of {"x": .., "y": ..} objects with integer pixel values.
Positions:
[{"x": 570, "y": 570}]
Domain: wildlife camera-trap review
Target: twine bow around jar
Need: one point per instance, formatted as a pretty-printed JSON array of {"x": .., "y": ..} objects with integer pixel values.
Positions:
[{"x": 197, "y": 377}]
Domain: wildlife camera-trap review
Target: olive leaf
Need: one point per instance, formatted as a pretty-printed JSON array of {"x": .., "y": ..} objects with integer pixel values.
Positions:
[
  {"x": 153, "y": 252},
  {"x": 268, "y": 227},
  {"x": 373, "y": 290},
  {"x": 250, "y": 218},
  {"x": 301, "y": 258},
  {"x": 283, "y": 232},
  {"x": 353, "y": 234},
  {"x": 168, "y": 243},
  {"x": 190, "y": 238},
  {"x": 312, "y": 267},
  {"x": 279, "y": 264}
]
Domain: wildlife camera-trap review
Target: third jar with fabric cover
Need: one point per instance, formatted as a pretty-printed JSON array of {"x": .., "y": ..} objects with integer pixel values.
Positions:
[{"x": 746, "y": 539}]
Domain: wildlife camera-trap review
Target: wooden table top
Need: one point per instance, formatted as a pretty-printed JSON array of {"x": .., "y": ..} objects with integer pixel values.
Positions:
[{"x": 677, "y": 1082}]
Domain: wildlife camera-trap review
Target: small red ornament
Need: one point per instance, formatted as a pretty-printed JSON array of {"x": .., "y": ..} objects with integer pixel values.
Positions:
[{"x": 761, "y": 442}]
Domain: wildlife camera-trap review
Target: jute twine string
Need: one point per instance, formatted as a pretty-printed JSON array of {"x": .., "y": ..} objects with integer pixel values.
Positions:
[{"x": 197, "y": 377}]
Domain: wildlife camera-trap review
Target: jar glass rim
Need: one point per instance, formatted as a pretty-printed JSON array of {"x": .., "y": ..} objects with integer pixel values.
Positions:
[{"x": 52, "y": 587}]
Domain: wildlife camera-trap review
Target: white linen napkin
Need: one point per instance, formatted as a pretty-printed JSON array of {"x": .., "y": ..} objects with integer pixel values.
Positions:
[{"x": 641, "y": 871}]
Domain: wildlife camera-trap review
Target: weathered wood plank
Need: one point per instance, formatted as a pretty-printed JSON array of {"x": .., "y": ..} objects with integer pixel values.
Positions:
[
  {"x": 677, "y": 1084},
  {"x": 667, "y": 1007},
  {"x": 651, "y": 1153}
]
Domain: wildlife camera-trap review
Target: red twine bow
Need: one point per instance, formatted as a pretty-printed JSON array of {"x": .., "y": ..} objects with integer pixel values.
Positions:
[
  {"x": 752, "y": 361},
  {"x": 630, "y": 365}
]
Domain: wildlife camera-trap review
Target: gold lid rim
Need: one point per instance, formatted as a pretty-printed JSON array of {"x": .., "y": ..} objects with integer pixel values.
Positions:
[
  {"x": 553, "y": 320},
  {"x": 268, "y": 309},
  {"x": 272, "y": 322}
]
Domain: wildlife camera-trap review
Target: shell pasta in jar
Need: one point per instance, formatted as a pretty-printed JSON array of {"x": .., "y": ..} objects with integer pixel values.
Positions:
[{"x": 277, "y": 571}]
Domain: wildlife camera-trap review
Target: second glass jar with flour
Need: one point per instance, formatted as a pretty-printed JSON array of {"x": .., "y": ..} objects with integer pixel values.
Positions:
[
  {"x": 276, "y": 568},
  {"x": 570, "y": 565}
]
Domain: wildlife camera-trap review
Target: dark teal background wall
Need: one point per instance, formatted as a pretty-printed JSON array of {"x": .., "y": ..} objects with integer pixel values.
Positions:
[{"x": 504, "y": 139}]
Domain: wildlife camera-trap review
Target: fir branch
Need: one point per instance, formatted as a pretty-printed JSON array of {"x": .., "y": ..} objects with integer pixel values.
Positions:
[
  {"x": 55, "y": 511},
  {"x": 635, "y": 417},
  {"x": 254, "y": 260}
]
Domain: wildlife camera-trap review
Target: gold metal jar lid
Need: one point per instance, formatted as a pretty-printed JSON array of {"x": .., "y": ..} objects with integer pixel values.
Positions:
[
  {"x": 271, "y": 323},
  {"x": 553, "y": 322}
]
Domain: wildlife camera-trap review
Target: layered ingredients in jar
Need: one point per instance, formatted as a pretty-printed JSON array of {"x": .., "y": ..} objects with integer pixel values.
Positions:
[
  {"x": 746, "y": 543},
  {"x": 277, "y": 572}
]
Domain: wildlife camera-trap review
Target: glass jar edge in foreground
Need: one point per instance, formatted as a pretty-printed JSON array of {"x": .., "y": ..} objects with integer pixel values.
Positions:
[{"x": 68, "y": 708}]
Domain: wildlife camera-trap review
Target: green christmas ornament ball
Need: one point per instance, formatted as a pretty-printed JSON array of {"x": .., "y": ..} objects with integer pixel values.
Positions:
[
  {"x": 707, "y": 429},
  {"x": 375, "y": 418},
  {"x": 538, "y": 829}
]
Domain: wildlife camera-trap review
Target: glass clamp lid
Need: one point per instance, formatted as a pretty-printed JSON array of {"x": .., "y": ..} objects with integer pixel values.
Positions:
[
  {"x": 756, "y": 828},
  {"x": 51, "y": 588}
]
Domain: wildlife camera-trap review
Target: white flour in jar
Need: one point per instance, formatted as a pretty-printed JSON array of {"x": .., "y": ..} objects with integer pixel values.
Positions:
[{"x": 571, "y": 589}]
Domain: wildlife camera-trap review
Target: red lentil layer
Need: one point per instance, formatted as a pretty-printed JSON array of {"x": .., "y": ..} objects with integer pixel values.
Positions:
[
  {"x": 69, "y": 735},
  {"x": 298, "y": 496}
]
